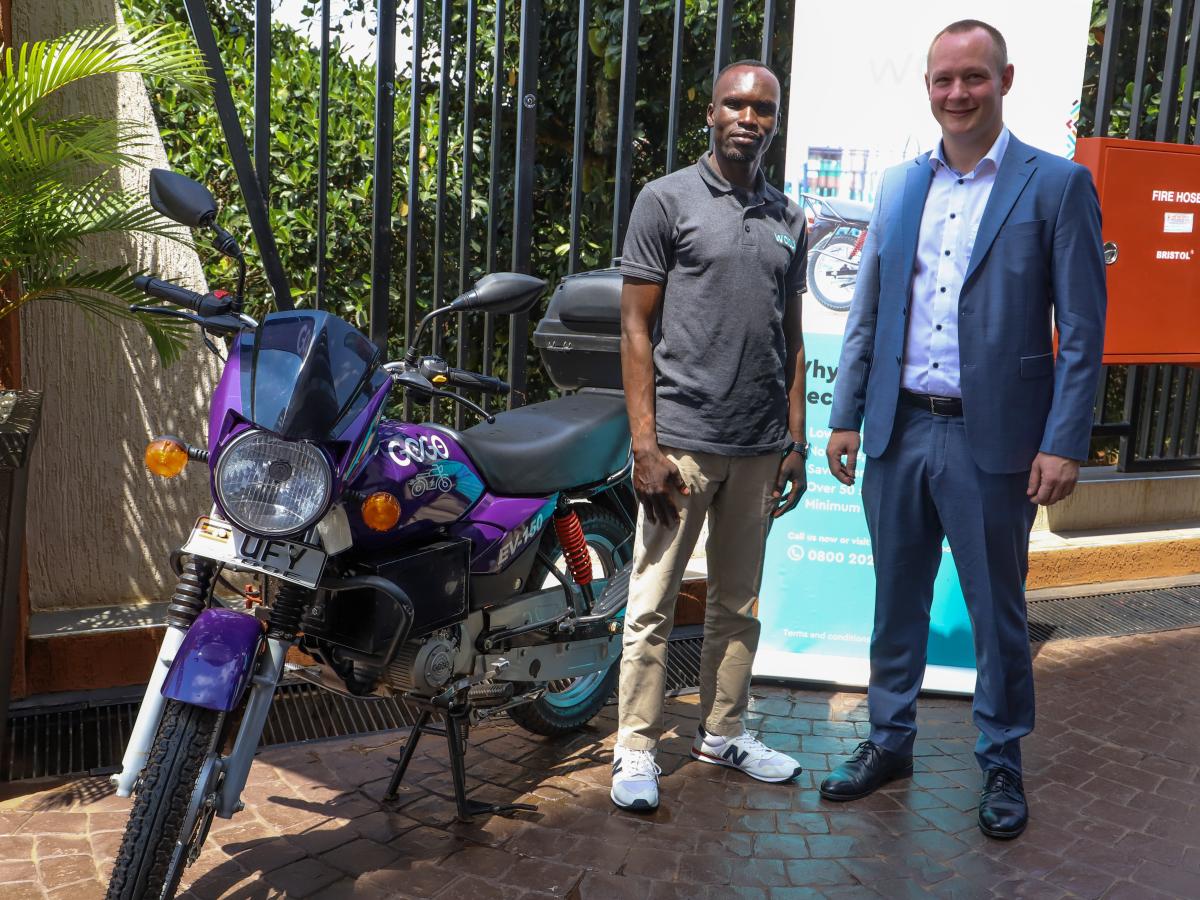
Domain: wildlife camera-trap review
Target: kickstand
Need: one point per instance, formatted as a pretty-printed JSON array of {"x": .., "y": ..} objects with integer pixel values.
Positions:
[{"x": 456, "y": 728}]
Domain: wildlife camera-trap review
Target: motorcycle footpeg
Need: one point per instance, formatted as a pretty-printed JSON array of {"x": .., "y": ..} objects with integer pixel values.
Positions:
[{"x": 487, "y": 695}]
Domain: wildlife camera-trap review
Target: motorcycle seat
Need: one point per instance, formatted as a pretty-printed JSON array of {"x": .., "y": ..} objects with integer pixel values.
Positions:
[{"x": 557, "y": 445}]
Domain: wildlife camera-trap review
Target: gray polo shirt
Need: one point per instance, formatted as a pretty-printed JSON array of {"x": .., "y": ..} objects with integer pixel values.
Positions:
[{"x": 729, "y": 259}]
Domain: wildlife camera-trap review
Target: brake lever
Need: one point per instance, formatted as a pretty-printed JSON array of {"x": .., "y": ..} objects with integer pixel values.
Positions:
[
  {"x": 474, "y": 407},
  {"x": 167, "y": 311},
  {"x": 424, "y": 389},
  {"x": 227, "y": 323}
]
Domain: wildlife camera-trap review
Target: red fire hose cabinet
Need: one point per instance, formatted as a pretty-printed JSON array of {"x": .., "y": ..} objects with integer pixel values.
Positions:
[{"x": 1150, "y": 199}]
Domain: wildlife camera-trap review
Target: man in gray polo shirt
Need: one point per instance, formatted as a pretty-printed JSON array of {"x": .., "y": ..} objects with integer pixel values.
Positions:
[{"x": 712, "y": 358}]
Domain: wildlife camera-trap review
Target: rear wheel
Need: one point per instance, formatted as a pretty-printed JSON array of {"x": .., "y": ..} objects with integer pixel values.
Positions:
[
  {"x": 570, "y": 703},
  {"x": 833, "y": 271},
  {"x": 148, "y": 864}
]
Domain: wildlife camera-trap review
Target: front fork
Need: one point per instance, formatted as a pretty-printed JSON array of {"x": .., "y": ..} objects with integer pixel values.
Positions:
[
  {"x": 190, "y": 599},
  {"x": 149, "y": 715}
]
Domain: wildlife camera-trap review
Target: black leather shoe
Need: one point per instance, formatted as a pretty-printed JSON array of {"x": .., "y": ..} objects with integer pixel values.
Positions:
[
  {"x": 869, "y": 768},
  {"x": 1003, "y": 812}
]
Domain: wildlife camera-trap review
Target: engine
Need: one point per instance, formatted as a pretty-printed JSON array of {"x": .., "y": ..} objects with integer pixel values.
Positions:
[{"x": 425, "y": 666}]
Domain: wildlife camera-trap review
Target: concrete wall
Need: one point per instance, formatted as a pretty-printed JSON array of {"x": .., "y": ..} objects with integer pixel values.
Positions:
[
  {"x": 1105, "y": 499},
  {"x": 100, "y": 527}
]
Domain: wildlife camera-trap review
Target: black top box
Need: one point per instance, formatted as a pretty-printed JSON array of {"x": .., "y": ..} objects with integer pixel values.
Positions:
[{"x": 579, "y": 338}]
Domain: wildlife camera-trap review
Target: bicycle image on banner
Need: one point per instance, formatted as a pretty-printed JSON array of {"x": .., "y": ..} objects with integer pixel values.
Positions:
[{"x": 817, "y": 599}]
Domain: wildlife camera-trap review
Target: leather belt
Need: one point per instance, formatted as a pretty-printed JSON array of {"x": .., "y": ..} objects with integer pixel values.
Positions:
[{"x": 939, "y": 406}]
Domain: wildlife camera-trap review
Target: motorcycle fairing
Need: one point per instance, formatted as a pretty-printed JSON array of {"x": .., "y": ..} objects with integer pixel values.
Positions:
[
  {"x": 501, "y": 528},
  {"x": 215, "y": 661},
  {"x": 427, "y": 471},
  {"x": 307, "y": 375}
]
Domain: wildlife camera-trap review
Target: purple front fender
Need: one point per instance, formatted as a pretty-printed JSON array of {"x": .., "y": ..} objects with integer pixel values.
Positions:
[{"x": 215, "y": 661}]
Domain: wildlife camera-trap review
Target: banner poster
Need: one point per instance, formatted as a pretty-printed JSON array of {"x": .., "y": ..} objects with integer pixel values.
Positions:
[{"x": 858, "y": 105}]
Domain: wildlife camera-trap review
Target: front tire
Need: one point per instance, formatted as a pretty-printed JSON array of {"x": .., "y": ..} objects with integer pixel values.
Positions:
[
  {"x": 570, "y": 704},
  {"x": 185, "y": 738}
]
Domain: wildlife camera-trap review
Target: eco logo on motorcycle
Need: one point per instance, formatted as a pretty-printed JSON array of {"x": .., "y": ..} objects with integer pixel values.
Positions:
[{"x": 424, "y": 450}]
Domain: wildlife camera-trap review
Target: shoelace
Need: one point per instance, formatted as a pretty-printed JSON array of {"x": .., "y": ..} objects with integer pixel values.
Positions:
[
  {"x": 1004, "y": 783},
  {"x": 639, "y": 762},
  {"x": 864, "y": 750},
  {"x": 752, "y": 745}
]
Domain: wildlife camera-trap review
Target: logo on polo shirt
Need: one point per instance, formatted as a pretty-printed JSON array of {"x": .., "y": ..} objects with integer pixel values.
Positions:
[{"x": 786, "y": 240}]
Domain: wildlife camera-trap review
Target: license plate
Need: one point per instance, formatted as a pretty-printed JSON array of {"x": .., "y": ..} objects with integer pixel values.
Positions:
[{"x": 288, "y": 560}]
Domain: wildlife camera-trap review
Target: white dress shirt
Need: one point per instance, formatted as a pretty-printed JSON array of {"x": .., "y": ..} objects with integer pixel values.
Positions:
[{"x": 953, "y": 208}]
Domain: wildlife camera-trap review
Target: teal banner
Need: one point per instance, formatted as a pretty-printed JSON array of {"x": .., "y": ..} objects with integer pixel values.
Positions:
[{"x": 818, "y": 592}]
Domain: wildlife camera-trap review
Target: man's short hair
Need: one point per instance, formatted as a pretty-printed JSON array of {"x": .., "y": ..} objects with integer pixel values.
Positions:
[
  {"x": 965, "y": 25},
  {"x": 742, "y": 63}
]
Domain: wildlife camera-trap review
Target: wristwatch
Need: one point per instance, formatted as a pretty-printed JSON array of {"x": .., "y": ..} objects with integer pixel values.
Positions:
[{"x": 800, "y": 447}]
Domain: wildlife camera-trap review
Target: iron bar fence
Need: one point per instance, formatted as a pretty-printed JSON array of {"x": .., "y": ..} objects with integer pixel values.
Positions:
[
  {"x": 570, "y": 112},
  {"x": 1140, "y": 83}
]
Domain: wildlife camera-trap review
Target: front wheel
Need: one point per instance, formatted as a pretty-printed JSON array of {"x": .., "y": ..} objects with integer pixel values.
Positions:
[
  {"x": 573, "y": 702},
  {"x": 148, "y": 864}
]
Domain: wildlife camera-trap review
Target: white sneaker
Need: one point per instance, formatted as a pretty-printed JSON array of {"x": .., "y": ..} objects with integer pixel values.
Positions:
[
  {"x": 634, "y": 779},
  {"x": 747, "y": 754}
]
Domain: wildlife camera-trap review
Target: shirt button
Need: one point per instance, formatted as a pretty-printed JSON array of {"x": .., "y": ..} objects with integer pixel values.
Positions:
[
  {"x": 952, "y": 215},
  {"x": 960, "y": 181},
  {"x": 947, "y": 252},
  {"x": 747, "y": 227},
  {"x": 935, "y": 365},
  {"x": 943, "y": 290},
  {"x": 938, "y": 327}
]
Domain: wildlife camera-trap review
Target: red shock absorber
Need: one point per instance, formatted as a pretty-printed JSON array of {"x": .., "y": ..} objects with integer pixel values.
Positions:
[
  {"x": 858, "y": 245},
  {"x": 574, "y": 544}
]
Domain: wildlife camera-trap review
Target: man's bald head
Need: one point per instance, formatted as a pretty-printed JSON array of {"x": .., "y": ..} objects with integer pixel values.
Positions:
[{"x": 742, "y": 64}]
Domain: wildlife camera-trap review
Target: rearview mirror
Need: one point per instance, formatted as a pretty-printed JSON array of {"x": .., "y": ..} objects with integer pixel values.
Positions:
[
  {"x": 502, "y": 292},
  {"x": 181, "y": 199}
]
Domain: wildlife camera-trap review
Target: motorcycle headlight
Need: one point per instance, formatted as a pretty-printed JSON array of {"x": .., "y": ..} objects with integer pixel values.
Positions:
[{"x": 272, "y": 487}]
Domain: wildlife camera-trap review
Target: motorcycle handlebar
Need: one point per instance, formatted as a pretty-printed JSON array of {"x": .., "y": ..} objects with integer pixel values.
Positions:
[
  {"x": 461, "y": 378},
  {"x": 206, "y": 305},
  {"x": 172, "y": 293}
]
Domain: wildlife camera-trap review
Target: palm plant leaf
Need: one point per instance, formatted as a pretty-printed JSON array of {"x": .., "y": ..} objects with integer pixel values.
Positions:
[
  {"x": 104, "y": 294},
  {"x": 36, "y": 70},
  {"x": 57, "y": 176}
]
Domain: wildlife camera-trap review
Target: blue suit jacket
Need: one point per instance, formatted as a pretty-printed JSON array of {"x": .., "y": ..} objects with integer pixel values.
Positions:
[{"x": 1037, "y": 262}]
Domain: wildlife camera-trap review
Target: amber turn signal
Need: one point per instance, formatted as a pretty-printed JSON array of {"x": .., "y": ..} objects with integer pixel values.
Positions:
[
  {"x": 166, "y": 457},
  {"x": 381, "y": 511}
]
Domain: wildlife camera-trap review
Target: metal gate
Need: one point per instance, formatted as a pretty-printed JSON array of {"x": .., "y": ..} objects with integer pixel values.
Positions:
[
  {"x": 1141, "y": 84},
  {"x": 526, "y": 122},
  {"x": 532, "y": 129}
]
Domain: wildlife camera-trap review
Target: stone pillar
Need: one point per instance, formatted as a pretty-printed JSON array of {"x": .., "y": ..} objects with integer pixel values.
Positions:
[{"x": 100, "y": 527}]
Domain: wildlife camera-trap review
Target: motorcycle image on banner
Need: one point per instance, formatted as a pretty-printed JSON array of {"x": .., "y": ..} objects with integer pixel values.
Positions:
[
  {"x": 837, "y": 230},
  {"x": 472, "y": 572}
]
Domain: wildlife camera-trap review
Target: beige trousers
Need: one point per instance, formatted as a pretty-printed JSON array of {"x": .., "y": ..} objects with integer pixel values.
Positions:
[{"x": 734, "y": 492}]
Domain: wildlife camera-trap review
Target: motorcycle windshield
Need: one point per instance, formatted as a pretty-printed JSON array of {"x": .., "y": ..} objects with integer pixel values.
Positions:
[{"x": 303, "y": 372}]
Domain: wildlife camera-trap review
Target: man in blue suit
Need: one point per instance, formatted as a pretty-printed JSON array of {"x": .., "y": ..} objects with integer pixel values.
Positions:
[{"x": 974, "y": 252}]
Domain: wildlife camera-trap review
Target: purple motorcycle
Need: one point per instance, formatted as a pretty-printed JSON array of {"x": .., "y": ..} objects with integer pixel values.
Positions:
[{"x": 473, "y": 572}]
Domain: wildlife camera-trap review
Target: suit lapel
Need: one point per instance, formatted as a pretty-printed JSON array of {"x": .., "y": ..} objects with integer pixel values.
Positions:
[
  {"x": 1018, "y": 164},
  {"x": 916, "y": 187}
]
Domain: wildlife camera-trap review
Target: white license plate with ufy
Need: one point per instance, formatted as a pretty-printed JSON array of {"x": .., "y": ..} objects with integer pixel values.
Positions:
[{"x": 288, "y": 560}]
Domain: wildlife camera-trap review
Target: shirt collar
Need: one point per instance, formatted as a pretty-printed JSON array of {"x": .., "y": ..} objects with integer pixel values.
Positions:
[
  {"x": 714, "y": 180},
  {"x": 993, "y": 156}
]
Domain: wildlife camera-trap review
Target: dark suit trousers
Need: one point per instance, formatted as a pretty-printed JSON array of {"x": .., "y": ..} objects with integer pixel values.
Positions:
[{"x": 925, "y": 487}]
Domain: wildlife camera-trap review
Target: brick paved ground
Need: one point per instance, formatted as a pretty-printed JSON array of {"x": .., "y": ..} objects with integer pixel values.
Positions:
[{"x": 1112, "y": 771}]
